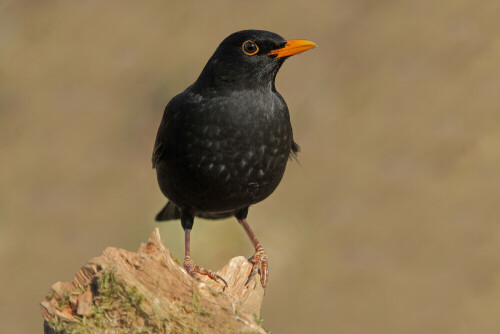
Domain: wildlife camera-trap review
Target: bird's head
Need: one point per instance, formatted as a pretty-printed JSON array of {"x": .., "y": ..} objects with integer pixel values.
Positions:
[{"x": 249, "y": 59}]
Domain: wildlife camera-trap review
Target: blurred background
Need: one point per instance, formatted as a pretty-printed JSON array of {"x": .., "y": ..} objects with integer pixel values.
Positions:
[{"x": 390, "y": 225}]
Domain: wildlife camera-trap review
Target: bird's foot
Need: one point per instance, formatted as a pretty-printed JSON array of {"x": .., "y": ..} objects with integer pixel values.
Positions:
[
  {"x": 259, "y": 261},
  {"x": 194, "y": 270}
]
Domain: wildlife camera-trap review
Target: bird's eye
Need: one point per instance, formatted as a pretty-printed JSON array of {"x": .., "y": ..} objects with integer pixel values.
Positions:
[{"x": 250, "y": 48}]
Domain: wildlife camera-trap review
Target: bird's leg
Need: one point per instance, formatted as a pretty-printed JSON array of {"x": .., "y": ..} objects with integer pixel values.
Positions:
[
  {"x": 189, "y": 265},
  {"x": 259, "y": 259}
]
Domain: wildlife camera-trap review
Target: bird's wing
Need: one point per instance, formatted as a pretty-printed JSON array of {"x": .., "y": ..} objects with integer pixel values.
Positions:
[
  {"x": 295, "y": 148},
  {"x": 159, "y": 148},
  {"x": 173, "y": 109},
  {"x": 157, "y": 153},
  {"x": 294, "y": 151}
]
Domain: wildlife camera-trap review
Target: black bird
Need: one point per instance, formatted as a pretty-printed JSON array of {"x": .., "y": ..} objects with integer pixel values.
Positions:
[{"x": 223, "y": 143}]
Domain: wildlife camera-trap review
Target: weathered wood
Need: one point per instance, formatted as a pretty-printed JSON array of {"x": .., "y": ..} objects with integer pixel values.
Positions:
[{"x": 149, "y": 292}]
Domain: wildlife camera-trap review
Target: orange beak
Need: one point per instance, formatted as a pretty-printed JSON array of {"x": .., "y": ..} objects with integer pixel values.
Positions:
[{"x": 292, "y": 48}]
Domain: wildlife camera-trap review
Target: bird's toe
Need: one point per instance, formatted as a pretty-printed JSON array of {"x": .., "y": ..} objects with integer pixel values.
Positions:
[
  {"x": 193, "y": 270},
  {"x": 260, "y": 265}
]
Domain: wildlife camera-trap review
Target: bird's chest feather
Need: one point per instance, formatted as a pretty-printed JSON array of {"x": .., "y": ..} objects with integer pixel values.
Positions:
[
  {"x": 240, "y": 134},
  {"x": 239, "y": 143}
]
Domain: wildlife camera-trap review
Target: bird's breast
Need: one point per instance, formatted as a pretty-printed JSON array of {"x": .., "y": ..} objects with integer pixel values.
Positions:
[{"x": 233, "y": 151}]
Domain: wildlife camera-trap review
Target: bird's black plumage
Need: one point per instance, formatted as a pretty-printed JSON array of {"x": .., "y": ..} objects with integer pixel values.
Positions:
[{"x": 223, "y": 143}]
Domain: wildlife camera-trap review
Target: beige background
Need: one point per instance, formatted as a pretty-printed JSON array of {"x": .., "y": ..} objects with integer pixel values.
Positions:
[{"x": 391, "y": 225}]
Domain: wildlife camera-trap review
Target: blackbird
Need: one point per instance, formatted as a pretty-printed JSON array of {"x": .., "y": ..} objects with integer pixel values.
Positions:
[{"x": 224, "y": 142}]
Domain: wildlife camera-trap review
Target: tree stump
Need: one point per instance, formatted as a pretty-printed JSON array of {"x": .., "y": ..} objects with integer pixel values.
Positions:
[{"x": 150, "y": 292}]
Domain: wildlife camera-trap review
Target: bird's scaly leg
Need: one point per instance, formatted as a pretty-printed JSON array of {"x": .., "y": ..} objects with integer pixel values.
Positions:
[
  {"x": 193, "y": 269},
  {"x": 259, "y": 259}
]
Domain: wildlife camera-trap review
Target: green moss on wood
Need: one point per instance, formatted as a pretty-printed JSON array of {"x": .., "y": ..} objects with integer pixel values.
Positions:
[{"x": 117, "y": 308}]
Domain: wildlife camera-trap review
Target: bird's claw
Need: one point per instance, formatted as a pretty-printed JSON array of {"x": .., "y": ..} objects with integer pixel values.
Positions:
[
  {"x": 260, "y": 264},
  {"x": 194, "y": 270}
]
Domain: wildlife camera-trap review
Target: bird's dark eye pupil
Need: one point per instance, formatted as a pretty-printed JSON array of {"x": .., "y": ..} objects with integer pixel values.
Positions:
[{"x": 250, "y": 48}]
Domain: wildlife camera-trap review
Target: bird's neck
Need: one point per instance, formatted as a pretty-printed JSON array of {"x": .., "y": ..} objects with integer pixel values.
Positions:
[{"x": 220, "y": 79}]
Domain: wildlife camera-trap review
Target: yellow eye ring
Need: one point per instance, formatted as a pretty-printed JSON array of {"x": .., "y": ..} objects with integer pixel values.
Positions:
[{"x": 250, "y": 48}]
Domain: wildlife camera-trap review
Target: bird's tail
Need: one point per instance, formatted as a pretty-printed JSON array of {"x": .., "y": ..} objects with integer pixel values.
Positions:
[
  {"x": 169, "y": 212},
  {"x": 172, "y": 211}
]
